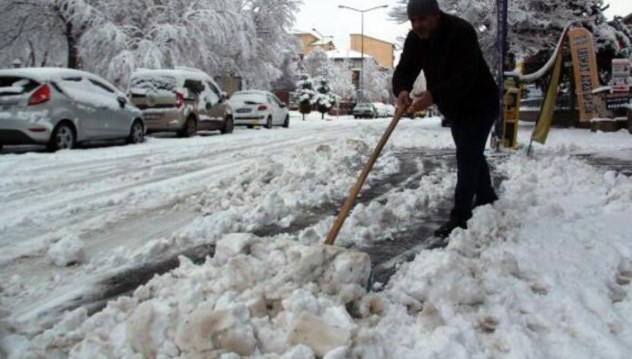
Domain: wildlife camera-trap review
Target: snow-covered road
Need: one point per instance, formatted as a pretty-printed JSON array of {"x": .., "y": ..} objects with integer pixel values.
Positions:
[
  {"x": 74, "y": 222},
  {"x": 117, "y": 199}
]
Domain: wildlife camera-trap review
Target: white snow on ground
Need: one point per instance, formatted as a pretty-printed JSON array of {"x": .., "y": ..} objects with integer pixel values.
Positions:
[
  {"x": 542, "y": 274},
  {"x": 545, "y": 272},
  {"x": 130, "y": 204},
  {"x": 67, "y": 251},
  {"x": 253, "y": 294}
]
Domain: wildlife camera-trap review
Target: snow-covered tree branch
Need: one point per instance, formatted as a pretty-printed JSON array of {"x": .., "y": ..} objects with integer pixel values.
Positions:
[
  {"x": 534, "y": 25},
  {"x": 247, "y": 38}
]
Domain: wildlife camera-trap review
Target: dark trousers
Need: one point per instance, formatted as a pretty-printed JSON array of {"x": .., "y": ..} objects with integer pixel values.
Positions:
[{"x": 473, "y": 180}]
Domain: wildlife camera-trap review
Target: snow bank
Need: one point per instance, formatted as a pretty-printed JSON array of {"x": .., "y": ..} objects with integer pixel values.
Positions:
[
  {"x": 66, "y": 251},
  {"x": 277, "y": 190},
  {"x": 257, "y": 296},
  {"x": 383, "y": 218},
  {"x": 542, "y": 274},
  {"x": 545, "y": 273}
]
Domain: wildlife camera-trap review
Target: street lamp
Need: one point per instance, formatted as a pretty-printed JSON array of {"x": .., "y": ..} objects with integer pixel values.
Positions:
[
  {"x": 362, "y": 41},
  {"x": 320, "y": 34},
  {"x": 323, "y": 37}
]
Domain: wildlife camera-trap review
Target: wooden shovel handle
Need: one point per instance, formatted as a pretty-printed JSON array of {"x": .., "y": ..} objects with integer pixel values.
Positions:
[{"x": 346, "y": 208}]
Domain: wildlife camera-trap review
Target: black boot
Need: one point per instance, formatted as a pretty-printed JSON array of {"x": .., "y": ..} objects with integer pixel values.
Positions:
[
  {"x": 445, "y": 230},
  {"x": 485, "y": 201}
]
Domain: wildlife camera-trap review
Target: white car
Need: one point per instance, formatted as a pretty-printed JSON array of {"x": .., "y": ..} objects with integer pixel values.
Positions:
[
  {"x": 382, "y": 109},
  {"x": 259, "y": 108},
  {"x": 390, "y": 110}
]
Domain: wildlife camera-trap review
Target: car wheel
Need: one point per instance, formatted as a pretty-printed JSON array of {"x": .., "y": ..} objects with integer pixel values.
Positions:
[
  {"x": 269, "y": 122},
  {"x": 250, "y": 126},
  {"x": 190, "y": 128},
  {"x": 63, "y": 138},
  {"x": 286, "y": 123},
  {"x": 228, "y": 126},
  {"x": 136, "y": 133}
]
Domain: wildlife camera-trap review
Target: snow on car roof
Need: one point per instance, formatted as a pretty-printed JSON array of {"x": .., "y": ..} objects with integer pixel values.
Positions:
[
  {"x": 54, "y": 73},
  {"x": 45, "y": 73},
  {"x": 252, "y": 92},
  {"x": 180, "y": 73}
]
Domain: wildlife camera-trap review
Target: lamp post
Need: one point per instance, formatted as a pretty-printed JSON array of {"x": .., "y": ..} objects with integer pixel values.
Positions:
[
  {"x": 361, "y": 90},
  {"x": 323, "y": 37}
]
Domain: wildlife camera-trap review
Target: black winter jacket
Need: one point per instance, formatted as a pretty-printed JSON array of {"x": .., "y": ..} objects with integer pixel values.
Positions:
[{"x": 456, "y": 72}]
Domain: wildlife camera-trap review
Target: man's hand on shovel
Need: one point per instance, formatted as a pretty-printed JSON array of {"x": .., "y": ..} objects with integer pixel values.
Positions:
[
  {"x": 419, "y": 102},
  {"x": 422, "y": 100}
]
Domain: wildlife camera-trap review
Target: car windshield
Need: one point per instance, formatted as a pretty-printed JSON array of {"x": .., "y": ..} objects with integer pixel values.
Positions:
[
  {"x": 13, "y": 85},
  {"x": 248, "y": 98},
  {"x": 153, "y": 84}
]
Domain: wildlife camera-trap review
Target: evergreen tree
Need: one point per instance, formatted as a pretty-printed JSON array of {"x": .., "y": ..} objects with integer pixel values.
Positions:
[
  {"x": 306, "y": 94},
  {"x": 324, "y": 99}
]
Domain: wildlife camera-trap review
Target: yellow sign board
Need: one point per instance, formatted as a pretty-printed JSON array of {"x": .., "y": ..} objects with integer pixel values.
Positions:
[{"x": 585, "y": 66}]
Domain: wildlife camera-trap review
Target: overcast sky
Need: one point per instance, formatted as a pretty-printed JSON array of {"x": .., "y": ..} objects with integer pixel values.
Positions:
[{"x": 327, "y": 18}]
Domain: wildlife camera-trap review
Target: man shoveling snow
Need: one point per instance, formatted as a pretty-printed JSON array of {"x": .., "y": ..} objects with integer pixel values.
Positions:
[{"x": 459, "y": 81}]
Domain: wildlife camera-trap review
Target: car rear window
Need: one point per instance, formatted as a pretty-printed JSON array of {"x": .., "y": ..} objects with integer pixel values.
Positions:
[
  {"x": 14, "y": 85},
  {"x": 153, "y": 84},
  {"x": 194, "y": 86},
  {"x": 249, "y": 98}
]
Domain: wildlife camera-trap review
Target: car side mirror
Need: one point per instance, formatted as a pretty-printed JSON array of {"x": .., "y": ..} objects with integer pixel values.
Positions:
[
  {"x": 283, "y": 105},
  {"x": 223, "y": 97},
  {"x": 122, "y": 101}
]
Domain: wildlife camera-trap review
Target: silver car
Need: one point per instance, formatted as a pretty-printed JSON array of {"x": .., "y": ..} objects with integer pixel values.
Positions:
[{"x": 60, "y": 108}]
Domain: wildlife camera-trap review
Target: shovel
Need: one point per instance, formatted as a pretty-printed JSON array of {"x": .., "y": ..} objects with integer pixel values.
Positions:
[{"x": 346, "y": 208}]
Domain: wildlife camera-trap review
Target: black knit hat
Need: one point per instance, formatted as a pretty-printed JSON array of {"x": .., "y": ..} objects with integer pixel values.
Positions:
[{"x": 422, "y": 8}]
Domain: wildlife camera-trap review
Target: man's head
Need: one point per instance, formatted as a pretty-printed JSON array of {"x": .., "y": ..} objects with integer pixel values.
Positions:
[{"x": 424, "y": 16}]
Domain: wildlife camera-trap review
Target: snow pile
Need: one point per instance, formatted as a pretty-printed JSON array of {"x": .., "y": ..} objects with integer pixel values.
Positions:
[
  {"x": 257, "y": 296},
  {"x": 277, "y": 189},
  {"x": 389, "y": 214},
  {"x": 544, "y": 273},
  {"x": 66, "y": 251}
]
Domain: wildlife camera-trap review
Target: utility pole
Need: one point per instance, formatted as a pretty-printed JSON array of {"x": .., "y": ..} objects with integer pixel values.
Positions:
[
  {"x": 362, "y": 12},
  {"x": 501, "y": 50},
  {"x": 322, "y": 37}
]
